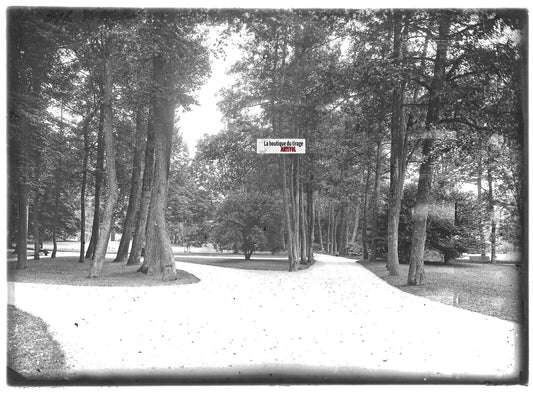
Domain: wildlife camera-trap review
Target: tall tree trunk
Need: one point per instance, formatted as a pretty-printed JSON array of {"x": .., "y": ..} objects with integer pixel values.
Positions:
[
  {"x": 36, "y": 225},
  {"x": 321, "y": 240},
  {"x": 420, "y": 211},
  {"x": 82, "y": 203},
  {"x": 340, "y": 230},
  {"x": 295, "y": 195},
  {"x": 10, "y": 232},
  {"x": 347, "y": 230},
  {"x": 112, "y": 195},
  {"x": 56, "y": 214},
  {"x": 15, "y": 140},
  {"x": 357, "y": 216},
  {"x": 375, "y": 203},
  {"x": 84, "y": 184},
  {"x": 303, "y": 225},
  {"x": 398, "y": 155},
  {"x": 36, "y": 214},
  {"x": 479, "y": 204},
  {"x": 288, "y": 171},
  {"x": 22, "y": 234},
  {"x": 136, "y": 188},
  {"x": 98, "y": 180},
  {"x": 58, "y": 176},
  {"x": 287, "y": 211},
  {"x": 159, "y": 257},
  {"x": 328, "y": 233},
  {"x": 364, "y": 237},
  {"x": 144, "y": 205},
  {"x": 522, "y": 133},
  {"x": 293, "y": 188},
  {"x": 492, "y": 212},
  {"x": 311, "y": 223},
  {"x": 334, "y": 226}
]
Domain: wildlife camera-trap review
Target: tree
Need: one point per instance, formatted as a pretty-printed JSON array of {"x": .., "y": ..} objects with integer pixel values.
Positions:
[
  {"x": 106, "y": 53},
  {"x": 86, "y": 151},
  {"x": 173, "y": 76},
  {"x": 421, "y": 208},
  {"x": 32, "y": 63},
  {"x": 144, "y": 203},
  {"x": 158, "y": 247},
  {"x": 288, "y": 71},
  {"x": 98, "y": 180},
  {"x": 451, "y": 222},
  {"x": 248, "y": 221},
  {"x": 136, "y": 186},
  {"x": 399, "y": 142}
]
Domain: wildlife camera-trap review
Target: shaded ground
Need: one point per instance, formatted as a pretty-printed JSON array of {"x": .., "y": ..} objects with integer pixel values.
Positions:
[
  {"x": 31, "y": 349},
  {"x": 255, "y": 263},
  {"x": 493, "y": 290},
  {"x": 68, "y": 271}
]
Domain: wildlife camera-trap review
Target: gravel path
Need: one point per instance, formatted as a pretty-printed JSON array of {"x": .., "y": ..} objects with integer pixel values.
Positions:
[{"x": 335, "y": 319}]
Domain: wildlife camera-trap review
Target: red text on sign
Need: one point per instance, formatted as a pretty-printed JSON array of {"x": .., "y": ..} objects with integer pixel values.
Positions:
[{"x": 288, "y": 149}]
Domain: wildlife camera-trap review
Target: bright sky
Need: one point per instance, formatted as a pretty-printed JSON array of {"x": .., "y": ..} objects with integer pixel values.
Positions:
[{"x": 205, "y": 118}]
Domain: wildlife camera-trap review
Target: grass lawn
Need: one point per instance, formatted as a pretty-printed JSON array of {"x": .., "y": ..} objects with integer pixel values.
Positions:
[
  {"x": 493, "y": 290},
  {"x": 238, "y": 262},
  {"x": 31, "y": 349},
  {"x": 68, "y": 271}
]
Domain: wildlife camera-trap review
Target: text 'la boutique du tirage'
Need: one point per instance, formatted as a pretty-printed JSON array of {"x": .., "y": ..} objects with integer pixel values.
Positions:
[{"x": 278, "y": 146}]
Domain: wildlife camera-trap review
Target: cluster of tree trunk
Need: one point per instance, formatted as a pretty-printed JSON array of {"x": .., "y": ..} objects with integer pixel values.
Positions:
[
  {"x": 154, "y": 89},
  {"x": 299, "y": 210},
  {"x": 145, "y": 218},
  {"x": 347, "y": 225}
]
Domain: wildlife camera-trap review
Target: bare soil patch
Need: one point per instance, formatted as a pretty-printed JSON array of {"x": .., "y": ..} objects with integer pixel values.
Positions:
[{"x": 494, "y": 290}]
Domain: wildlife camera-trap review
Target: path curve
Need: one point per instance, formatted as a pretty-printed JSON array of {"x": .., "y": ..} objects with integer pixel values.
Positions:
[{"x": 336, "y": 319}]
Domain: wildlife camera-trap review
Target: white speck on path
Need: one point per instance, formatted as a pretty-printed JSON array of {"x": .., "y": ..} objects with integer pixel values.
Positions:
[{"x": 335, "y": 317}]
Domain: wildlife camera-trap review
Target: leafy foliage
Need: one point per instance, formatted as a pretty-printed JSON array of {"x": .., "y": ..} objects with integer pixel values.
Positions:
[
  {"x": 248, "y": 222},
  {"x": 451, "y": 224}
]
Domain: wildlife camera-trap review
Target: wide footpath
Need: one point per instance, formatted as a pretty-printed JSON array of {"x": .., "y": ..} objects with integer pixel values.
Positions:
[{"x": 334, "y": 321}]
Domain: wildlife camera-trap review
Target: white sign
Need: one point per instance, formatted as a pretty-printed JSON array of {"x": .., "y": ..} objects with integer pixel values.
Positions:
[{"x": 281, "y": 146}]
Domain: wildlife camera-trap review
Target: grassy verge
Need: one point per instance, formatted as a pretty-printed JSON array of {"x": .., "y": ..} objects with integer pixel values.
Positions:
[
  {"x": 31, "y": 350},
  {"x": 493, "y": 290},
  {"x": 273, "y": 264},
  {"x": 68, "y": 271}
]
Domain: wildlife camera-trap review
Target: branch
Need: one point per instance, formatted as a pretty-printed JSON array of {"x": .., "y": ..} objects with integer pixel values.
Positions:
[
  {"x": 462, "y": 75},
  {"x": 341, "y": 102},
  {"x": 414, "y": 104},
  {"x": 455, "y": 66},
  {"x": 410, "y": 154},
  {"x": 421, "y": 58},
  {"x": 462, "y": 120},
  {"x": 423, "y": 84}
]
